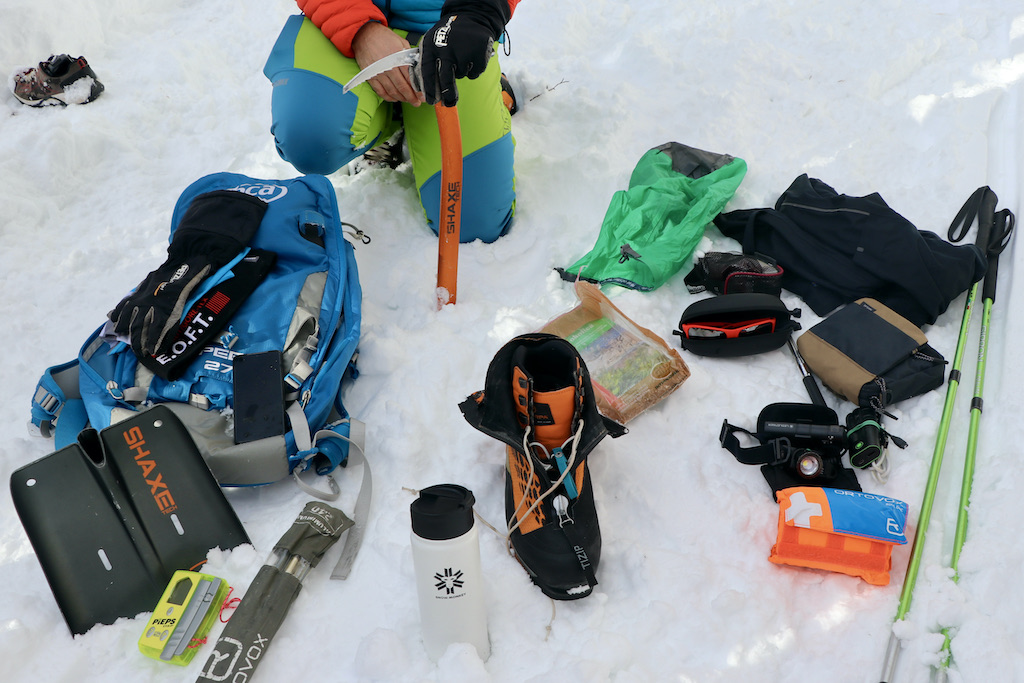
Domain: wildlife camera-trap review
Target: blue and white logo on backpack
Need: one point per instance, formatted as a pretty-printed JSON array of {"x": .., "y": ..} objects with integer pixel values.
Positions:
[
  {"x": 307, "y": 308},
  {"x": 267, "y": 190}
]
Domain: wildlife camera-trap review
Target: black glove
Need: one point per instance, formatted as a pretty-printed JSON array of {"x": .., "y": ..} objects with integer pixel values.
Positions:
[
  {"x": 459, "y": 45},
  {"x": 215, "y": 228}
]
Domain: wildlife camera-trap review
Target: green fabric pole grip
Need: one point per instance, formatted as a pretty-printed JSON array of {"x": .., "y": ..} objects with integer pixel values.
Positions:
[{"x": 651, "y": 230}]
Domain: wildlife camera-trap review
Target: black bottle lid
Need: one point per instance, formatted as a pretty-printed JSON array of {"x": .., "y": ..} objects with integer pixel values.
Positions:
[{"x": 442, "y": 512}]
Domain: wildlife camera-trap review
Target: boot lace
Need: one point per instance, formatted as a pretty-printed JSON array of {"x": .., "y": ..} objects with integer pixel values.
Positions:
[{"x": 515, "y": 520}]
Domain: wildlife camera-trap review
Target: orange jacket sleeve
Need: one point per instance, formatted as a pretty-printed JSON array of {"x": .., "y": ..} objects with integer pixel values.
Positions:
[{"x": 340, "y": 20}]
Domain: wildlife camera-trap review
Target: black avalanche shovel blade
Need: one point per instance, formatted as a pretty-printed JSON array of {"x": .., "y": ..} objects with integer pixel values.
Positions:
[
  {"x": 89, "y": 558},
  {"x": 112, "y": 517},
  {"x": 181, "y": 508}
]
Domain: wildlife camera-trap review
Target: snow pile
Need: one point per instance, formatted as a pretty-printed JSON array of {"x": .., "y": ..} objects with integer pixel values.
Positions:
[{"x": 920, "y": 104}]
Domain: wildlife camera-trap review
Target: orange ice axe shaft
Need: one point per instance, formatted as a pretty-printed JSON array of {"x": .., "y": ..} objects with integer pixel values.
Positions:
[{"x": 450, "y": 218}]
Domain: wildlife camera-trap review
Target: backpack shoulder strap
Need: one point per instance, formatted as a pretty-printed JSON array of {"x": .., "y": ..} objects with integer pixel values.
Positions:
[{"x": 58, "y": 410}]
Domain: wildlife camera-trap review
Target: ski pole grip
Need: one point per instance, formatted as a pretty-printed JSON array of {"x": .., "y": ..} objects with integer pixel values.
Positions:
[
  {"x": 988, "y": 288},
  {"x": 999, "y": 238},
  {"x": 986, "y": 220}
]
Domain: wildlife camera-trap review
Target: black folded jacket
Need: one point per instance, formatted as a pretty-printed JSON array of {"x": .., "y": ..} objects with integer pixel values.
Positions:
[{"x": 835, "y": 249}]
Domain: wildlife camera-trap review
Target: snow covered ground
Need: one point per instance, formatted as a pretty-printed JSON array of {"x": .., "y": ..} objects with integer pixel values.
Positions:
[{"x": 919, "y": 101}]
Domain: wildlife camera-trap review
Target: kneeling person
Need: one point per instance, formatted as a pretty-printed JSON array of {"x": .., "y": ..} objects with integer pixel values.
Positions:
[{"x": 318, "y": 129}]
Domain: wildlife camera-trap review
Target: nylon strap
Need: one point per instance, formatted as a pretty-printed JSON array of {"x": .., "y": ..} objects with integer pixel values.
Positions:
[
  {"x": 762, "y": 454},
  {"x": 354, "y": 538}
]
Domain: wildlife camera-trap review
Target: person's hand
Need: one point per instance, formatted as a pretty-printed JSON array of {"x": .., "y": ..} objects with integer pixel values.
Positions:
[
  {"x": 375, "y": 41},
  {"x": 460, "y": 45}
]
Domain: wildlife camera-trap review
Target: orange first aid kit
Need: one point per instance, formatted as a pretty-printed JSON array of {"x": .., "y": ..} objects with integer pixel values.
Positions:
[{"x": 842, "y": 531}]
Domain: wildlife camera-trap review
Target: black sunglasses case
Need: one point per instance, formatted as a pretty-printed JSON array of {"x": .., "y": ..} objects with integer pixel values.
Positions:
[{"x": 734, "y": 308}]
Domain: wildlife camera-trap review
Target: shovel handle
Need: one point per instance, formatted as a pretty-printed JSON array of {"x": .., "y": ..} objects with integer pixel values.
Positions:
[{"x": 450, "y": 217}]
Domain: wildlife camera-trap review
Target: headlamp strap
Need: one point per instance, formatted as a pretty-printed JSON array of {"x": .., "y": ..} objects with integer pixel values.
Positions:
[{"x": 762, "y": 454}]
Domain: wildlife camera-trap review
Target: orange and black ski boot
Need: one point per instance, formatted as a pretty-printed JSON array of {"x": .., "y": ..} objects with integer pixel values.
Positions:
[
  {"x": 508, "y": 96},
  {"x": 539, "y": 401}
]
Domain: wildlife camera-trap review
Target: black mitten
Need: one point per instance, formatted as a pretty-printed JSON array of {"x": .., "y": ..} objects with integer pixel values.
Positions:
[
  {"x": 460, "y": 45},
  {"x": 215, "y": 228}
]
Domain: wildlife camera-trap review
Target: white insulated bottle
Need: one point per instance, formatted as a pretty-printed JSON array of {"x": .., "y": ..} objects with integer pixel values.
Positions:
[{"x": 446, "y": 560}]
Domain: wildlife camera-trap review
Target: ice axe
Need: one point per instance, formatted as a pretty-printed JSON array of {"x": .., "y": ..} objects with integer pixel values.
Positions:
[{"x": 450, "y": 218}]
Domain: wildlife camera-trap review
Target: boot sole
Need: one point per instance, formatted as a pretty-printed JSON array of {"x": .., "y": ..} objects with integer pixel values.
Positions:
[
  {"x": 553, "y": 593},
  {"x": 60, "y": 99}
]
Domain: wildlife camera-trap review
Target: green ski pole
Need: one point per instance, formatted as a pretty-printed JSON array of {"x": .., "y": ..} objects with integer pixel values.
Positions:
[
  {"x": 959, "y": 228},
  {"x": 1000, "y": 238}
]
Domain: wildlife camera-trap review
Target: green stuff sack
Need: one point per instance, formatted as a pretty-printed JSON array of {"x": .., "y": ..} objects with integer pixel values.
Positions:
[{"x": 651, "y": 230}]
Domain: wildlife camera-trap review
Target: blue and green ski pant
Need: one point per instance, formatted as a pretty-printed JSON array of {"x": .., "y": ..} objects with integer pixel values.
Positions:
[{"x": 318, "y": 129}]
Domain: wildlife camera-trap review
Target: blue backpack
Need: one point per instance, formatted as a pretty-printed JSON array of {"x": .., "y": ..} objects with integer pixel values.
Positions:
[{"x": 307, "y": 308}]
